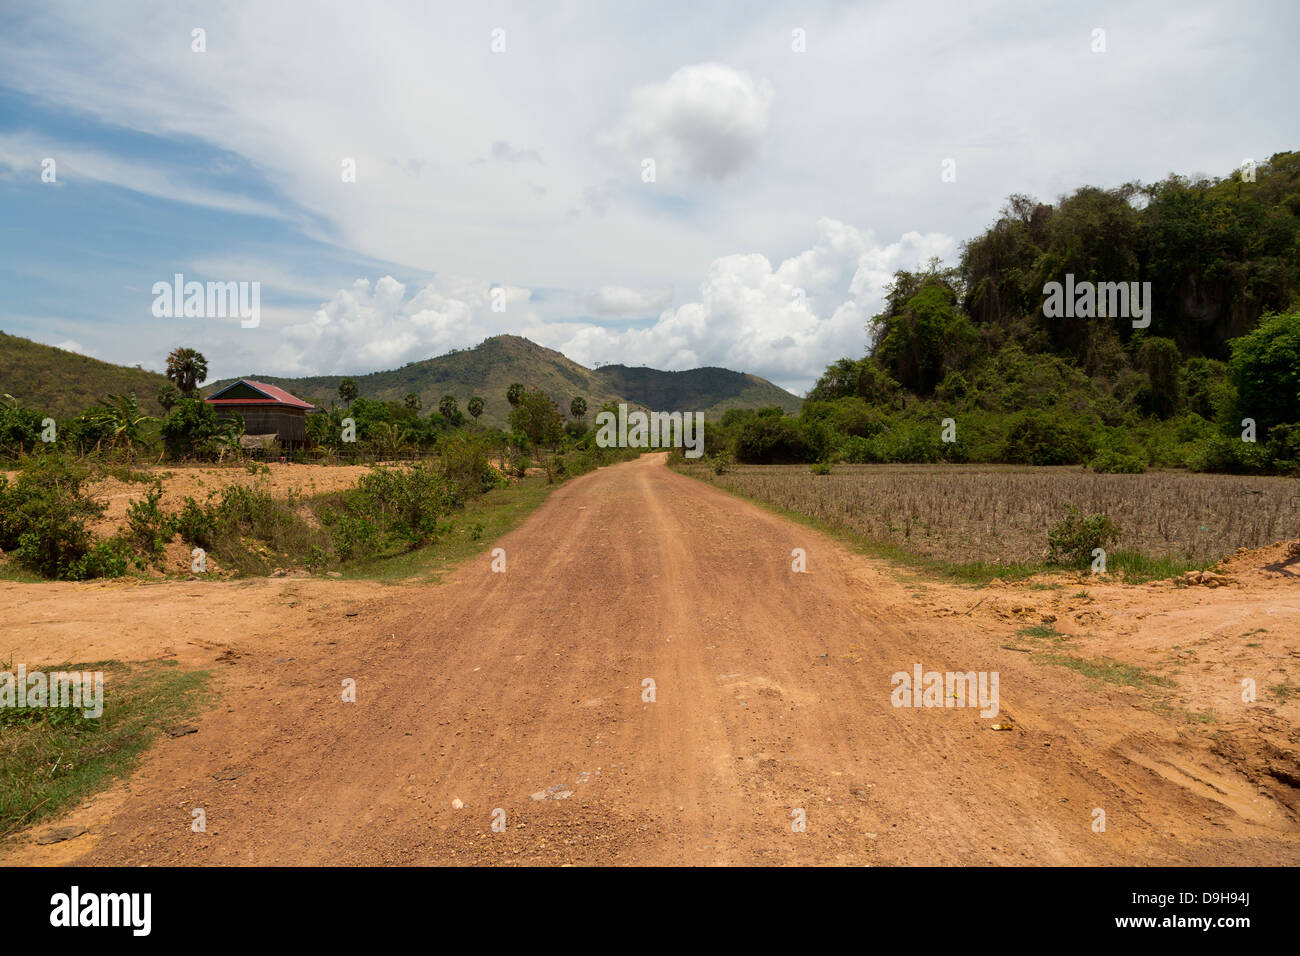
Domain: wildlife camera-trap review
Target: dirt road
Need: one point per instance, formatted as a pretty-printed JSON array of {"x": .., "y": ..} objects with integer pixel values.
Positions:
[{"x": 524, "y": 691}]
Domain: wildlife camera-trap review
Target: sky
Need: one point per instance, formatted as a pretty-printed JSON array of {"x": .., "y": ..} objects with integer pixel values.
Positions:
[{"x": 673, "y": 184}]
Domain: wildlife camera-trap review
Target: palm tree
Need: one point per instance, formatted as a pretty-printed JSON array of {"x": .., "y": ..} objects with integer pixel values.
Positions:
[
  {"x": 186, "y": 368},
  {"x": 475, "y": 407},
  {"x": 448, "y": 407},
  {"x": 514, "y": 393},
  {"x": 578, "y": 407},
  {"x": 121, "y": 413},
  {"x": 348, "y": 391},
  {"x": 412, "y": 402}
]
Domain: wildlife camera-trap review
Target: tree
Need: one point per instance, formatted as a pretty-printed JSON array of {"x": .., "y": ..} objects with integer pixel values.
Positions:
[
  {"x": 514, "y": 393},
  {"x": 121, "y": 416},
  {"x": 194, "y": 428},
  {"x": 168, "y": 396},
  {"x": 475, "y": 407},
  {"x": 838, "y": 381},
  {"x": 186, "y": 368},
  {"x": 412, "y": 402},
  {"x": 538, "y": 417},
  {"x": 448, "y": 407},
  {"x": 348, "y": 391},
  {"x": 1159, "y": 358},
  {"x": 578, "y": 407},
  {"x": 1265, "y": 370},
  {"x": 922, "y": 337}
]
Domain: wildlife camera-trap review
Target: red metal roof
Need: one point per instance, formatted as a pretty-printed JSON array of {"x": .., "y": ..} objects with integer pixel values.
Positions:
[{"x": 274, "y": 396}]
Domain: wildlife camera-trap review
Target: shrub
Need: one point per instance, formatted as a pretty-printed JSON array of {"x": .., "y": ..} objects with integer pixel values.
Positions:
[
  {"x": 467, "y": 467},
  {"x": 43, "y": 515},
  {"x": 147, "y": 529},
  {"x": 196, "y": 524},
  {"x": 820, "y": 468},
  {"x": 405, "y": 502},
  {"x": 111, "y": 558},
  {"x": 1229, "y": 454},
  {"x": 1038, "y": 438},
  {"x": 1110, "y": 461},
  {"x": 1073, "y": 539},
  {"x": 769, "y": 440}
]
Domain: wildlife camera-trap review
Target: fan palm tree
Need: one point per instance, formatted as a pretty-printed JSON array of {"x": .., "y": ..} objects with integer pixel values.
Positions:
[{"x": 186, "y": 368}]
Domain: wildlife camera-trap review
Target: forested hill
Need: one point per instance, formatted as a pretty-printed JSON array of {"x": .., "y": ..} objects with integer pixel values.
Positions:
[{"x": 973, "y": 342}]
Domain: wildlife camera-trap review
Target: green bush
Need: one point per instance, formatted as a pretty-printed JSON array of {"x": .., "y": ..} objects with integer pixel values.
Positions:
[
  {"x": 1039, "y": 438},
  {"x": 1110, "y": 461},
  {"x": 147, "y": 529},
  {"x": 1073, "y": 539},
  {"x": 405, "y": 502},
  {"x": 43, "y": 515},
  {"x": 1229, "y": 454},
  {"x": 467, "y": 466},
  {"x": 196, "y": 524}
]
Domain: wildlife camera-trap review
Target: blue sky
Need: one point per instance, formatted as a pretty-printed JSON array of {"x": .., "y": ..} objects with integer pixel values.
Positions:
[{"x": 789, "y": 184}]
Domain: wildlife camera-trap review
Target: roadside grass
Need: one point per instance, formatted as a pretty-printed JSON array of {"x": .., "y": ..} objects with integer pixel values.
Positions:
[
  {"x": 52, "y": 758},
  {"x": 1110, "y": 671},
  {"x": 13, "y": 571},
  {"x": 465, "y": 534}
]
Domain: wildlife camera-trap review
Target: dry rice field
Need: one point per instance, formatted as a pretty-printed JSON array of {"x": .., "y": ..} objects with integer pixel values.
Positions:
[{"x": 1000, "y": 513}]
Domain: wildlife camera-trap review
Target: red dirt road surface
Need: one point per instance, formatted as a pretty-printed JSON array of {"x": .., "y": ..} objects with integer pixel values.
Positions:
[{"x": 522, "y": 692}]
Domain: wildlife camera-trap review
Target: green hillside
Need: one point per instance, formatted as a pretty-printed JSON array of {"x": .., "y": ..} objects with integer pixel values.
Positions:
[
  {"x": 488, "y": 369},
  {"x": 60, "y": 383},
  {"x": 708, "y": 390},
  {"x": 974, "y": 362}
]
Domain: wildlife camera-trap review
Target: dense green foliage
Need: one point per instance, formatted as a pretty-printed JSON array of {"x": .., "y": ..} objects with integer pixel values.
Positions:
[{"x": 965, "y": 366}]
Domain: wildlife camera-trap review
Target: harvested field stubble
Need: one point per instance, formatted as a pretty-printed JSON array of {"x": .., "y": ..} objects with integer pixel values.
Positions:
[{"x": 1001, "y": 514}]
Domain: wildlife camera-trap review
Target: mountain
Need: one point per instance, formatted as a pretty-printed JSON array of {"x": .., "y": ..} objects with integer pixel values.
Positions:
[
  {"x": 710, "y": 390},
  {"x": 489, "y": 368},
  {"x": 60, "y": 383}
]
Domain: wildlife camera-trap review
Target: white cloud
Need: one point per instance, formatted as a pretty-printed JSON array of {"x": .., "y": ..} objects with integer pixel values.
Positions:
[
  {"x": 70, "y": 346},
  {"x": 369, "y": 327},
  {"x": 785, "y": 323},
  {"x": 23, "y": 153},
  {"x": 622, "y": 301},
  {"x": 707, "y": 121}
]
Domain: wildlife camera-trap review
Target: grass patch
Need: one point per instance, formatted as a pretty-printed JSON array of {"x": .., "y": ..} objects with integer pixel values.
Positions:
[
  {"x": 1182, "y": 713},
  {"x": 52, "y": 758},
  {"x": 1041, "y": 631},
  {"x": 1109, "y": 670},
  {"x": 1285, "y": 690}
]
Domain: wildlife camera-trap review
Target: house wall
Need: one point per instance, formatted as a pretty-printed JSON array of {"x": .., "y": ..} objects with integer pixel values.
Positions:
[{"x": 289, "y": 424}]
